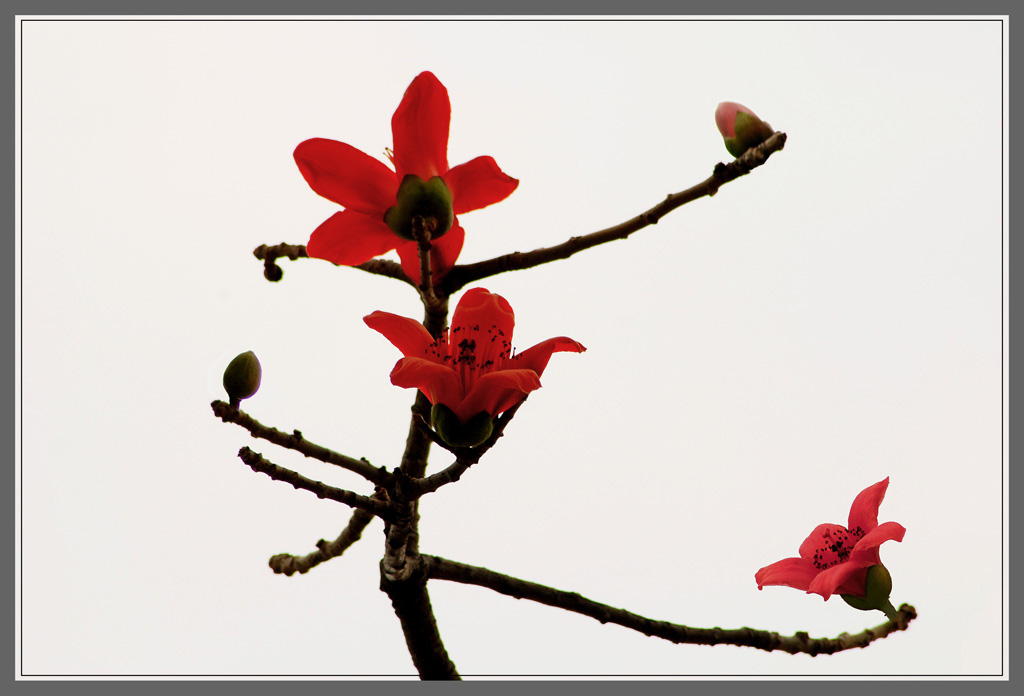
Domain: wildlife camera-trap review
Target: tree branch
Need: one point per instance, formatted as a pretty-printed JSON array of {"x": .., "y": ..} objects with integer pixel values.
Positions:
[
  {"x": 262, "y": 466},
  {"x": 411, "y": 603},
  {"x": 295, "y": 441},
  {"x": 269, "y": 254},
  {"x": 287, "y": 564},
  {"x": 460, "y": 276},
  {"x": 443, "y": 569},
  {"x": 402, "y": 574}
]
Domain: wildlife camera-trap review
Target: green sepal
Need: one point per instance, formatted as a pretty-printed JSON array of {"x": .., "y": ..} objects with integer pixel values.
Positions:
[
  {"x": 750, "y": 131},
  {"x": 877, "y": 588},
  {"x": 458, "y": 434},
  {"x": 242, "y": 376},
  {"x": 430, "y": 200},
  {"x": 734, "y": 147}
]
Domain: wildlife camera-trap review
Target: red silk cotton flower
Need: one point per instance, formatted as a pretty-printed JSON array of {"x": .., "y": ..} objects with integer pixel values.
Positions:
[
  {"x": 835, "y": 559},
  {"x": 367, "y": 188},
  {"x": 471, "y": 368}
]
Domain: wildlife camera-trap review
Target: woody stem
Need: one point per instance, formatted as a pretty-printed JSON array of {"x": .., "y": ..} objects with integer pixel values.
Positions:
[
  {"x": 403, "y": 575},
  {"x": 421, "y": 232}
]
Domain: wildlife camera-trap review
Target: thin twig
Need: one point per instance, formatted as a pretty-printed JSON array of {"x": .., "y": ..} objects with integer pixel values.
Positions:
[
  {"x": 257, "y": 463},
  {"x": 444, "y": 569},
  {"x": 270, "y": 253},
  {"x": 387, "y": 268},
  {"x": 297, "y": 442},
  {"x": 287, "y": 564},
  {"x": 465, "y": 457},
  {"x": 460, "y": 276}
]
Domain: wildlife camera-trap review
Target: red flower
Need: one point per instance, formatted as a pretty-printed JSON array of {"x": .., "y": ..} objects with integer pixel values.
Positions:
[
  {"x": 471, "y": 367},
  {"x": 834, "y": 559},
  {"x": 366, "y": 187}
]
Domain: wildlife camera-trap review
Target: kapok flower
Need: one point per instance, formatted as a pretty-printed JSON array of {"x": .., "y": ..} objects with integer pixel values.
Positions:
[
  {"x": 367, "y": 188},
  {"x": 471, "y": 368},
  {"x": 740, "y": 127},
  {"x": 835, "y": 559}
]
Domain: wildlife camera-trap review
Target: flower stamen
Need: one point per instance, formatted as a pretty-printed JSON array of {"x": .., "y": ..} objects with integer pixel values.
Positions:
[{"x": 838, "y": 543}]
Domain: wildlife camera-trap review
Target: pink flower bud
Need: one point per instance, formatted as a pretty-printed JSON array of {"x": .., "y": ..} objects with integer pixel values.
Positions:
[{"x": 740, "y": 127}]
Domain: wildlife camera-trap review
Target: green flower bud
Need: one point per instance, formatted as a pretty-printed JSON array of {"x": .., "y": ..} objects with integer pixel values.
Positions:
[
  {"x": 740, "y": 128},
  {"x": 751, "y": 131},
  {"x": 458, "y": 434},
  {"x": 242, "y": 377},
  {"x": 877, "y": 587},
  {"x": 430, "y": 200}
]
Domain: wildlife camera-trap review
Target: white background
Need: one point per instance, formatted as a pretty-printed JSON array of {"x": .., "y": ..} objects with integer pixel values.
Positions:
[{"x": 754, "y": 361}]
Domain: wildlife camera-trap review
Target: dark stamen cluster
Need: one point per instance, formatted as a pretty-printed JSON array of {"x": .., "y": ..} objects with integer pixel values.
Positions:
[
  {"x": 465, "y": 355},
  {"x": 839, "y": 544}
]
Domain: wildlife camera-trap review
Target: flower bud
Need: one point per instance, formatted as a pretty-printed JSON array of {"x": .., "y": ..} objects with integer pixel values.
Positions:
[
  {"x": 242, "y": 377},
  {"x": 740, "y": 127},
  {"x": 429, "y": 200},
  {"x": 458, "y": 434},
  {"x": 877, "y": 587}
]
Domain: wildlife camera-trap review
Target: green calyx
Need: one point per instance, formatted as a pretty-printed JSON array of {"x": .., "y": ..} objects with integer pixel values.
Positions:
[
  {"x": 734, "y": 147},
  {"x": 242, "y": 377},
  {"x": 424, "y": 203},
  {"x": 877, "y": 587},
  {"x": 750, "y": 131},
  {"x": 458, "y": 434}
]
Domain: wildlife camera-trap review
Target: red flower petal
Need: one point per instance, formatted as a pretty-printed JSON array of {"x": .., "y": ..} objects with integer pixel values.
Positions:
[
  {"x": 443, "y": 253},
  {"x": 478, "y": 307},
  {"x": 420, "y": 129},
  {"x": 816, "y": 539},
  {"x": 887, "y": 531},
  {"x": 791, "y": 572},
  {"x": 725, "y": 118},
  {"x": 864, "y": 511},
  {"x": 497, "y": 392},
  {"x": 405, "y": 334},
  {"x": 347, "y": 176},
  {"x": 349, "y": 238},
  {"x": 828, "y": 581},
  {"x": 536, "y": 358},
  {"x": 440, "y": 383},
  {"x": 855, "y": 584},
  {"x": 478, "y": 184}
]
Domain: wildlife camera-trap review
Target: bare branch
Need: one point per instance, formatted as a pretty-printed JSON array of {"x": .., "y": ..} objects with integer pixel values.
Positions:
[
  {"x": 287, "y": 564},
  {"x": 443, "y": 569},
  {"x": 460, "y": 276},
  {"x": 295, "y": 441},
  {"x": 269, "y": 254},
  {"x": 387, "y": 268},
  {"x": 260, "y": 465}
]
